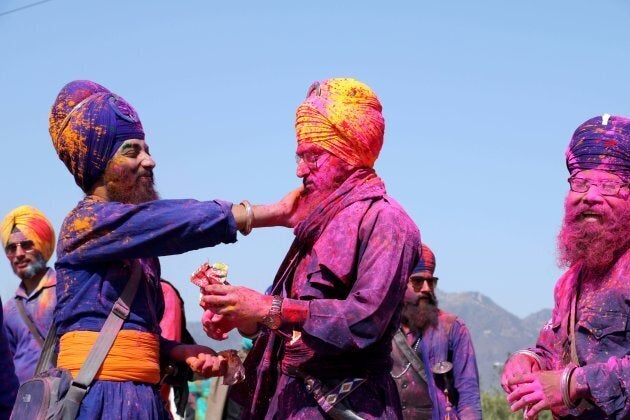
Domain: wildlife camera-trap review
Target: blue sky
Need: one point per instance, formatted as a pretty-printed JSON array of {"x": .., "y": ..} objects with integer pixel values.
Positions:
[{"x": 480, "y": 100}]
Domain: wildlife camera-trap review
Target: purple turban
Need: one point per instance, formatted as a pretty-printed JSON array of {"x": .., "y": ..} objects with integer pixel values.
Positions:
[
  {"x": 426, "y": 263},
  {"x": 88, "y": 123},
  {"x": 601, "y": 143}
]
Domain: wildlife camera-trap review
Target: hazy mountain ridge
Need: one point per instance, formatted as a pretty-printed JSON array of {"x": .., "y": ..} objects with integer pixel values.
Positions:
[{"x": 495, "y": 331}]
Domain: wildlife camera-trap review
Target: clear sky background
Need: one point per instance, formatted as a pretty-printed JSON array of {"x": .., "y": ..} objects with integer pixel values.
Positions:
[{"x": 480, "y": 100}]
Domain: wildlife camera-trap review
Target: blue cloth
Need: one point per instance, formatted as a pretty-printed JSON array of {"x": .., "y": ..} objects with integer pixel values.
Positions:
[
  {"x": 598, "y": 146},
  {"x": 40, "y": 306},
  {"x": 8, "y": 381},
  {"x": 95, "y": 241},
  {"x": 449, "y": 341},
  {"x": 94, "y": 131}
]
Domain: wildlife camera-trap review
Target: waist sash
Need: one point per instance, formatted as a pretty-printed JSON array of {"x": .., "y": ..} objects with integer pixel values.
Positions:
[{"x": 134, "y": 356}]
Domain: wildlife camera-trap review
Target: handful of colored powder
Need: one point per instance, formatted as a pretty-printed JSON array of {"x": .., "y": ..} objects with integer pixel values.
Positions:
[{"x": 210, "y": 274}]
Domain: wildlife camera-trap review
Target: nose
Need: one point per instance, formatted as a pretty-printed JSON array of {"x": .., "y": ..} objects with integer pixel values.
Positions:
[
  {"x": 302, "y": 169},
  {"x": 147, "y": 161},
  {"x": 425, "y": 287},
  {"x": 19, "y": 252},
  {"x": 592, "y": 196}
]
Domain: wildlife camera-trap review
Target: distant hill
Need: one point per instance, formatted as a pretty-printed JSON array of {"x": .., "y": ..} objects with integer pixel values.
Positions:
[{"x": 495, "y": 332}]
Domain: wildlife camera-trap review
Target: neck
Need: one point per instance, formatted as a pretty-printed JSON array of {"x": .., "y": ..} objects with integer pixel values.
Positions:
[
  {"x": 99, "y": 190},
  {"x": 32, "y": 283}
]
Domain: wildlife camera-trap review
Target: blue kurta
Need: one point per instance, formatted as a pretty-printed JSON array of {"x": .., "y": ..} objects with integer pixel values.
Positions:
[
  {"x": 448, "y": 341},
  {"x": 8, "y": 380},
  {"x": 39, "y": 305},
  {"x": 95, "y": 243}
]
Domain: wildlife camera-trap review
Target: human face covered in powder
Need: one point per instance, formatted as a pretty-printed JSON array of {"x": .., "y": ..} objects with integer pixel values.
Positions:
[
  {"x": 596, "y": 226},
  {"x": 321, "y": 172},
  {"x": 128, "y": 177}
]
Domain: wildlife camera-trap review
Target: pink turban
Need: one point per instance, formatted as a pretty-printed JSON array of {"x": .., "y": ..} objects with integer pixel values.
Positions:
[
  {"x": 343, "y": 116},
  {"x": 34, "y": 225}
]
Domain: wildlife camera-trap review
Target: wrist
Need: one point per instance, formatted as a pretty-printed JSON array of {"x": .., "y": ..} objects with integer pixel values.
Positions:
[
  {"x": 578, "y": 386},
  {"x": 529, "y": 354},
  {"x": 273, "y": 318}
]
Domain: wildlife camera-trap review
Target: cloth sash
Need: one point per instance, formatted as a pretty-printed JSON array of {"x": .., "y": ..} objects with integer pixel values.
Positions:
[{"x": 134, "y": 355}]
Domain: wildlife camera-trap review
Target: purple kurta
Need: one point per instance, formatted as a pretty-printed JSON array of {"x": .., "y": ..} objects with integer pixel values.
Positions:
[
  {"x": 39, "y": 306},
  {"x": 602, "y": 338},
  {"x": 8, "y": 381},
  {"x": 449, "y": 341},
  {"x": 352, "y": 281},
  {"x": 95, "y": 241}
]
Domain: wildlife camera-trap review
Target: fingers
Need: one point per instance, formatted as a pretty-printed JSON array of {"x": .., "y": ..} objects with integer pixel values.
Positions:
[
  {"x": 208, "y": 365},
  {"x": 216, "y": 289}
]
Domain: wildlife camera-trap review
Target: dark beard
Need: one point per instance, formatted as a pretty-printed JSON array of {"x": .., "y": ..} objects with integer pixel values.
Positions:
[
  {"x": 126, "y": 188},
  {"x": 420, "y": 316},
  {"x": 594, "y": 244}
]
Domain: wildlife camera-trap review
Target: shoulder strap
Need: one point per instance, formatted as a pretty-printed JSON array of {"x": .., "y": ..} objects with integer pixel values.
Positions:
[
  {"x": 48, "y": 356},
  {"x": 104, "y": 342},
  {"x": 29, "y": 322},
  {"x": 410, "y": 355}
]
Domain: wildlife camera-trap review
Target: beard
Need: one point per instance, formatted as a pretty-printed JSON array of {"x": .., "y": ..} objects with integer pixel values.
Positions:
[
  {"x": 127, "y": 187},
  {"x": 312, "y": 196},
  {"x": 420, "y": 315},
  {"x": 33, "y": 268},
  {"x": 596, "y": 245}
]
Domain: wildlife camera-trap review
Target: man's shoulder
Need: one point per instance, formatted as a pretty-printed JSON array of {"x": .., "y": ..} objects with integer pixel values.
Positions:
[{"x": 388, "y": 210}]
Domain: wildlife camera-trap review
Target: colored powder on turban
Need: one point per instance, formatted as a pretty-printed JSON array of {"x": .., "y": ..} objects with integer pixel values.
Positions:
[
  {"x": 601, "y": 143},
  {"x": 87, "y": 124},
  {"x": 343, "y": 116},
  {"x": 426, "y": 262},
  {"x": 34, "y": 225}
]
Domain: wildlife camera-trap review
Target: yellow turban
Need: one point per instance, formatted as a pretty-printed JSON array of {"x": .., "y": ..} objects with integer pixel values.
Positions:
[
  {"x": 34, "y": 225},
  {"x": 343, "y": 116}
]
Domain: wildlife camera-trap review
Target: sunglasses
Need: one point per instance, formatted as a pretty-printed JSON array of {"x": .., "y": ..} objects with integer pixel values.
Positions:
[{"x": 11, "y": 249}]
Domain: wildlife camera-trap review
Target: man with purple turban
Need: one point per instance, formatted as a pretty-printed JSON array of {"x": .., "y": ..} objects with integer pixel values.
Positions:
[
  {"x": 119, "y": 223},
  {"x": 434, "y": 360},
  {"x": 580, "y": 367},
  {"x": 28, "y": 239},
  {"x": 324, "y": 331}
]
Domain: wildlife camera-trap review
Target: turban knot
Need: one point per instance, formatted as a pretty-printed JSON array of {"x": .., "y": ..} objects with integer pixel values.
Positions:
[
  {"x": 343, "y": 116},
  {"x": 34, "y": 225},
  {"x": 426, "y": 263},
  {"x": 88, "y": 123},
  {"x": 601, "y": 143}
]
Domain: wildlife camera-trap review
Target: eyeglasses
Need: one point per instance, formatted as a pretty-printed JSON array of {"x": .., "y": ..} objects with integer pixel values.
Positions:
[
  {"x": 605, "y": 187},
  {"x": 311, "y": 159},
  {"x": 418, "y": 281},
  {"x": 11, "y": 249}
]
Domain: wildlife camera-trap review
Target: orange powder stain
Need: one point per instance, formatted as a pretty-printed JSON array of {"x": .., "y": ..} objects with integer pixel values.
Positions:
[{"x": 82, "y": 224}]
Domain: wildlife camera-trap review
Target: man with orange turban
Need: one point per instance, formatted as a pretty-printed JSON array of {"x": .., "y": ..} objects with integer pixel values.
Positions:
[
  {"x": 28, "y": 239},
  {"x": 324, "y": 332}
]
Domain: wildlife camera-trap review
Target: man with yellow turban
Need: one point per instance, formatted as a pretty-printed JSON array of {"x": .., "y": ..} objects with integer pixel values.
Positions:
[
  {"x": 325, "y": 330},
  {"x": 120, "y": 223},
  {"x": 28, "y": 239}
]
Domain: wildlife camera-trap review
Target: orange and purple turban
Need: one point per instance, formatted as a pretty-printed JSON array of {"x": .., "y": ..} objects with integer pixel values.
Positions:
[
  {"x": 34, "y": 225},
  {"x": 601, "y": 143},
  {"x": 88, "y": 123},
  {"x": 426, "y": 262},
  {"x": 343, "y": 116}
]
